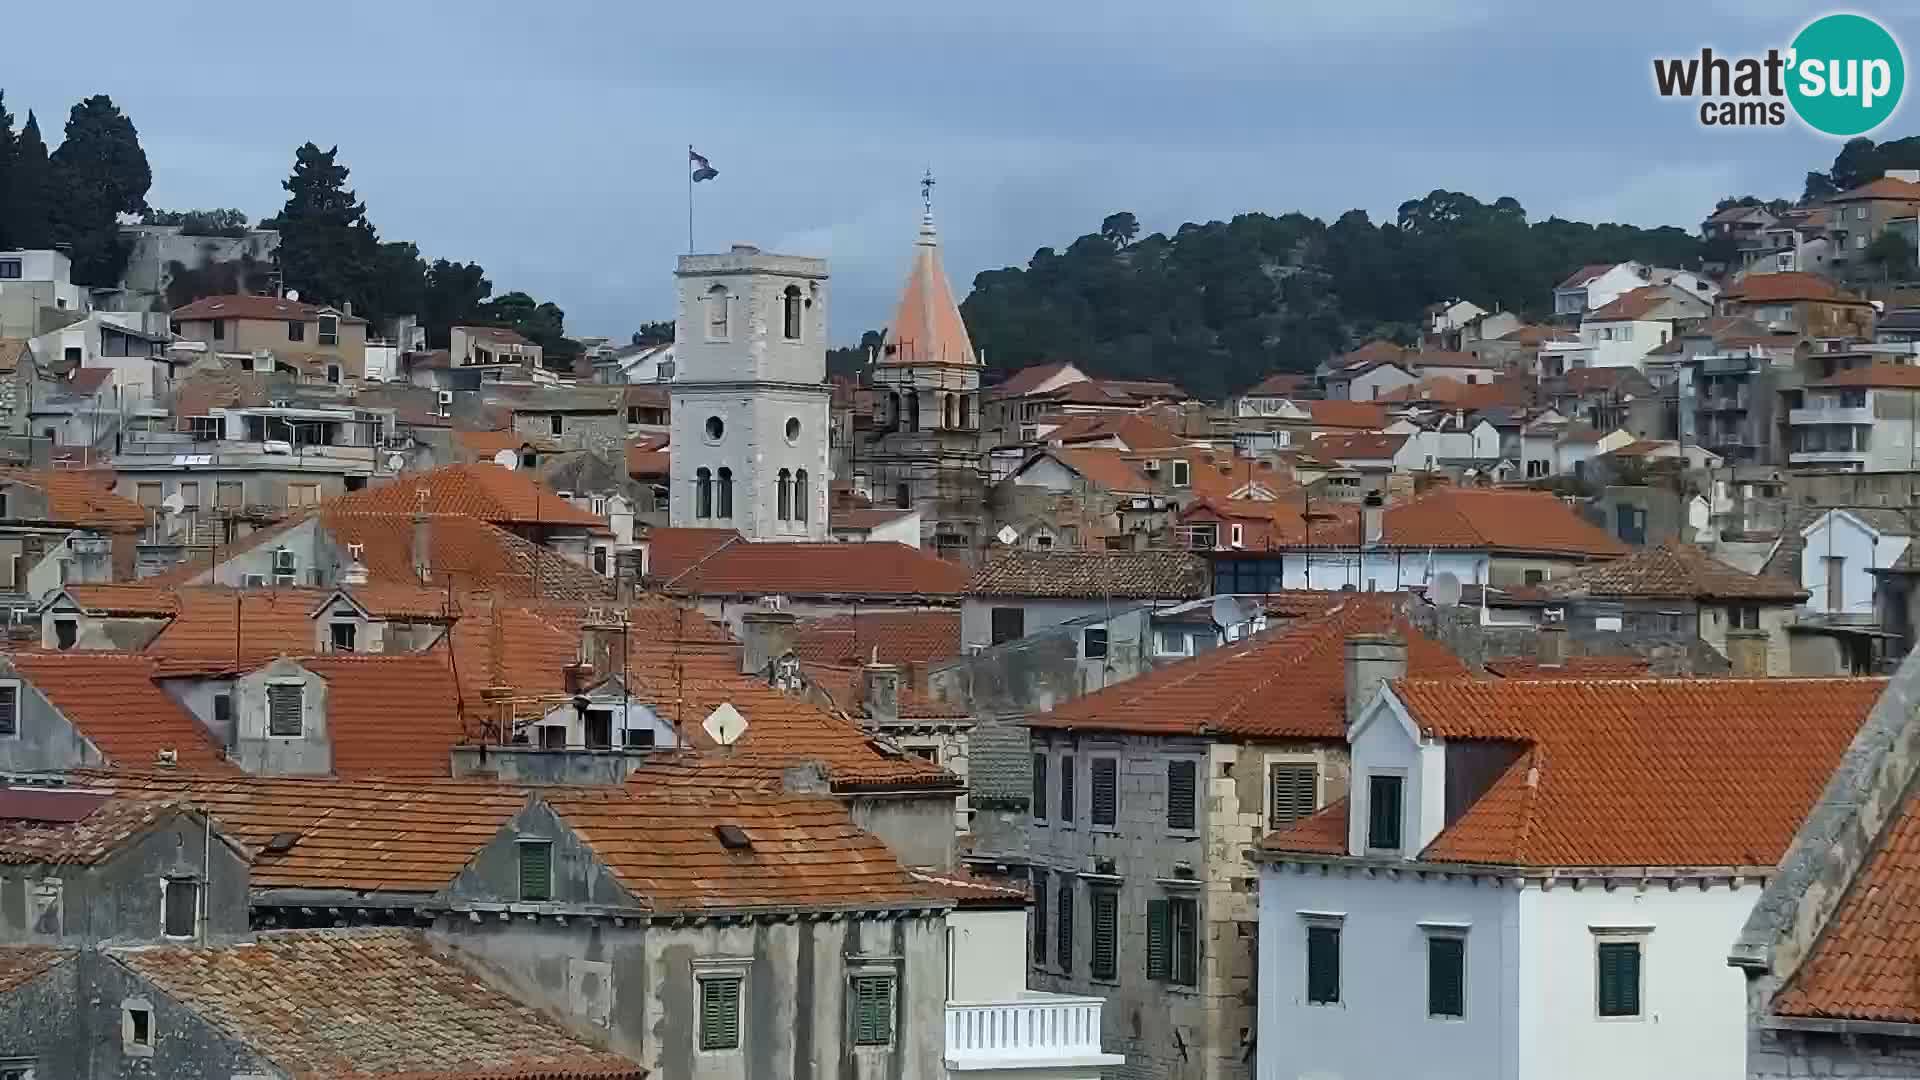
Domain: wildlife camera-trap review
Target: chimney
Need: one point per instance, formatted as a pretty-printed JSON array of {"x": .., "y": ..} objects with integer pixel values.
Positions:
[
  {"x": 880, "y": 692},
  {"x": 1372, "y": 659},
  {"x": 1373, "y": 516},
  {"x": 767, "y": 636},
  {"x": 806, "y": 778},
  {"x": 422, "y": 548},
  {"x": 1747, "y": 650},
  {"x": 1550, "y": 645}
]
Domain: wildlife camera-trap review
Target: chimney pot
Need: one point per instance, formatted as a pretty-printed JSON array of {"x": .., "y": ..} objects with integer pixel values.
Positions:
[
  {"x": 1747, "y": 652},
  {"x": 766, "y": 636},
  {"x": 880, "y": 692},
  {"x": 1371, "y": 660},
  {"x": 1373, "y": 515}
]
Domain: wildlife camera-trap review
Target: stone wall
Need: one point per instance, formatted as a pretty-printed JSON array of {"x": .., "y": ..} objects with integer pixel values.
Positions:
[{"x": 1778, "y": 1055}]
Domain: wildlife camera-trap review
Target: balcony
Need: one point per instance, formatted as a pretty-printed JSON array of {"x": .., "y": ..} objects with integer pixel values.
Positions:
[
  {"x": 1831, "y": 414},
  {"x": 1033, "y": 1031},
  {"x": 169, "y": 450}
]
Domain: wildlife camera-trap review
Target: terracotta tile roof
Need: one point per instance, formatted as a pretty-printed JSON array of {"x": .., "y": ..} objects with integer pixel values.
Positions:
[
  {"x": 500, "y": 334},
  {"x": 21, "y": 964},
  {"x": 1024, "y": 381},
  {"x": 673, "y": 551},
  {"x": 1321, "y": 833},
  {"x": 1278, "y": 384},
  {"x": 1862, "y": 965},
  {"x": 1641, "y": 448},
  {"x": 1632, "y": 304},
  {"x": 1371, "y": 352},
  {"x": 1137, "y": 433},
  {"x": 1104, "y": 468},
  {"x": 804, "y": 851},
  {"x": 391, "y": 714},
  {"x": 844, "y": 686},
  {"x": 157, "y": 601},
  {"x": 1878, "y": 376},
  {"x": 1531, "y": 334},
  {"x": 1586, "y": 274},
  {"x": 484, "y": 491},
  {"x": 1365, "y": 415},
  {"x": 1501, "y": 520},
  {"x": 1172, "y": 575},
  {"x": 970, "y": 891},
  {"x": 1786, "y": 287},
  {"x": 112, "y": 700},
  {"x": 1446, "y": 390},
  {"x": 1144, "y": 389},
  {"x": 12, "y": 351},
  {"x": 359, "y": 834},
  {"x": 1886, "y": 187},
  {"x": 83, "y": 842},
  {"x": 650, "y": 394},
  {"x": 322, "y": 1004},
  {"x": 1653, "y": 772},
  {"x": 900, "y": 637},
  {"x": 467, "y": 554},
  {"x": 648, "y": 463},
  {"x": 1363, "y": 446},
  {"x": 257, "y": 307},
  {"x": 1674, "y": 569},
  {"x": 1600, "y": 380},
  {"x": 399, "y": 601},
  {"x": 1281, "y": 684},
  {"x": 1426, "y": 358},
  {"x": 233, "y": 629},
  {"x": 1573, "y": 667},
  {"x": 81, "y": 498},
  {"x": 870, "y": 569}
]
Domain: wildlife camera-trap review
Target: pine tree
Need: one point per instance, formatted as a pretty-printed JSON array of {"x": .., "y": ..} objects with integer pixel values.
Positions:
[
  {"x": 28, "y": 208},
  {"x": 328, "y": 248},
  {"x": 100, "y": 172}
]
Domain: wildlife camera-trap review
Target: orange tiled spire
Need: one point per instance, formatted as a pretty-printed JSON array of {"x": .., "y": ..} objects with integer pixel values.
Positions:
[{"x": 927, "y": 328}]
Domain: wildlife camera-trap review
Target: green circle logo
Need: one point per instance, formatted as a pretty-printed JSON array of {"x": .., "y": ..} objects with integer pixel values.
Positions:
[{"x": 1846, "y": 75}]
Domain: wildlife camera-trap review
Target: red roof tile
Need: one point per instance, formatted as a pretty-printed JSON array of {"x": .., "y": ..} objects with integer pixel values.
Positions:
[
  {"x": 1137, "y": 433},
  {"x": 256, "y": 307},
  {"x": 1278, "y": 384},
  {"x": 1573, "y": 667},
  {"x": 1347, "y": 414},
  {"x": 112, "y": 700},
  {"x": 1534, "y": 521},
  {"x": 1878, "y": 376},
  {"x": 391, "y": 714},
  {"x": 673, "y": 551},
  {"x": 1025, "y": 381},
  {"x": 466, "y": 554},
  {"x": 1674, "y": 569},
  {"x": 1886, "y": 187},
  {"x": 1787, "y": 287},
  {"x": 897, "y": 637},
  {"x": 1365, "y": 446},
  {"x": 85, "y": 842},
  {"x": 1321, "y": 833},
  {"x": 1092, "y": 575},
  {"x": 323, "y": 1004},
  {"x": 1632, "y": 304},
  {"x": 21, "y": 964},
  {"x": 1586, "y": 274},
  {"x": 870, "y": 569},
  {"x": 484, "y": 491},
  {"x": 81, "y": 498},
  {"x": 1103, "y": 468},
  {"x": 235, "y": 629}
]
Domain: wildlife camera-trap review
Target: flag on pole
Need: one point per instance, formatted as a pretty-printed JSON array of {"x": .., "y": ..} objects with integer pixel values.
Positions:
[{"x": 702, "y": 168}]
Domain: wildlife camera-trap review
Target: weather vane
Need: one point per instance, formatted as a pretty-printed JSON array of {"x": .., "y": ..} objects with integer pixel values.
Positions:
[{"x": 926, "y": 190}]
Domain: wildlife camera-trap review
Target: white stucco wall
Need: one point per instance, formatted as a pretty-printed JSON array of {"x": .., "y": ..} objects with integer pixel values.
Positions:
[
  {"x": 987, "y": 954},
  {"x": 1837, "y": 534},
  {"x": 1381, "y": 571},
  {"x": 1381, "y": 380}
]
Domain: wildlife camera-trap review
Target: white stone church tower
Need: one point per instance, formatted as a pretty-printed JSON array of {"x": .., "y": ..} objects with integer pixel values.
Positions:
[{"x": 750, "y": 397}]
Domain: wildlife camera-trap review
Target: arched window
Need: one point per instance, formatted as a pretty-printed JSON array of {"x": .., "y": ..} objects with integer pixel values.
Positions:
[
  {"x": 966, "y": 411},
  {"x": 717, "y": 313},
  {"x": 893, "y": 409},
  {"x": 726, "y": 493},
  {"x": 784, "y": 496},
  {"x": 790, "y": 313},
  {"x": 913, "y": 412},
  {"x": 703, "y": 493},
  {"x": 949, "y": 411},
  {"x": 800, "y": 495},
  {"x": 903, "y": 496}
]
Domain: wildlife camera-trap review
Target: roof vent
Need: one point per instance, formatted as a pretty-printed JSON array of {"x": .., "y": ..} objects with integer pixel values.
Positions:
[
  {"x": 280, "y": 843},
  {"x": 733, "y": 837}
]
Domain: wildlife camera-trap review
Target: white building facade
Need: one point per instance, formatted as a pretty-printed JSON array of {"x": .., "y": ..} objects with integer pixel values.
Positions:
[{"x": 750, "y": 401}]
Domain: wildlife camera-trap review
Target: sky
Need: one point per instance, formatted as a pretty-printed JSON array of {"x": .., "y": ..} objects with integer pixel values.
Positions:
[{"x": 548, "y": 141}]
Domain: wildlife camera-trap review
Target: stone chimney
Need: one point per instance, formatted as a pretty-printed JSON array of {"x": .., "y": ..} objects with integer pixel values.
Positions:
[
  {"x": 1372, "y": 659},
  {"x": 422, "y": 548},
  {"x": 880, "y": 692},
  {"x": 806, "y": 778},
  {"x": 1747, "y": 651},
  {"x": 767, "y": 636},
  {"x": 1550, "y": 645},
  {"x": 1373, "y": 517}
]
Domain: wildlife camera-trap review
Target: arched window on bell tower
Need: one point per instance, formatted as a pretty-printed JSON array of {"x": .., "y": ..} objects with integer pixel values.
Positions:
[
  {"x": 703, "y": 493},
  {"x": 913, "y": 411},
  {"x": 950, "y": 410},
  {"x": 726, "y": 493},
  {"x": 966, "y": 410},
  {"x": 893, "y": 409},
  {"x": 790, "y": 313},
  {"x": 800, "y": 495},
  {"x": 717, "y": 314},
  {"x": 784, "y": 496}
]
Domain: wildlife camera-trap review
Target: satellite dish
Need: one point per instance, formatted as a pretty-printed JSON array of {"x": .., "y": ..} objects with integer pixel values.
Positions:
[
  {"x": 1228, "y": 612},
  {"x": 173, "y": 504},
  {"x": 396, "y": 462},
  {"x": 1007, "y": 534},
  {"x": 724, "y": 725},
  {"x": 293, "y": 295},
  {"x": 1445, "y": 589},
  {"x": 507, "y": 459}
]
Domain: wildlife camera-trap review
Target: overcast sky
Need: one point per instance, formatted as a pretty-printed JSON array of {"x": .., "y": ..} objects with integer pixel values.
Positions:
[{"x": 547, "y": 141}]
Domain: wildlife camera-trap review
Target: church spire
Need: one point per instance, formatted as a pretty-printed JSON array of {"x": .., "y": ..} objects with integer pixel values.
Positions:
[{"x": 927, "y": 328}]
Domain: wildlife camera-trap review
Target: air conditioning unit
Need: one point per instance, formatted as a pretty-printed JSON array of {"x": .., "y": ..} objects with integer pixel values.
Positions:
[
  {"x": 1152, "y": 465},
  {"x": 284, "y": 561}
]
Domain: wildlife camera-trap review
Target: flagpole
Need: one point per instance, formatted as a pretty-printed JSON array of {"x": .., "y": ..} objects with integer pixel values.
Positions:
[{"x": 689, "y": 168}]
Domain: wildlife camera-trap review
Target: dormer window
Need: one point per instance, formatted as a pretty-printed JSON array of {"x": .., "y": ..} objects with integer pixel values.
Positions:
[
  {"x": 180, "y": 907},
  {"x": 1384, "y": 810},
  {"x": 343, "y": 636},
  {"x": 329, "y": 330},
  {"x": 286, "y": 710},
  {"x": 9, "y": 710}
]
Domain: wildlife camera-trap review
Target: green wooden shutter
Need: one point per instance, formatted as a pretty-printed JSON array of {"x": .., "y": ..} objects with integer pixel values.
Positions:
[
  {"x": 1180, "y": 795},
  {"x": 719, "y": 1014},
  {"x": 1296, "y": 788},
  {"x": 873, "y": 1010},
  {"x": 1039, "y": 918},
  {"x": 536, "y": 871},
  {"x": 1619, "y": 964},
  {"x": 1186, "y": 942},
  {"x": 1066, "y": 789},
  {"x": 1323, "y": 964},
  {"x": 1383, "y": 812},
  {"x": 1106, "y": 791},
  {"x": 1446, "y": 976},
  {"x": 1159, "y": 935},
  {"x": 1106, "y": 933},
  {"x": 9, "y": 709},
  {"x": 1063, "y": 945}
]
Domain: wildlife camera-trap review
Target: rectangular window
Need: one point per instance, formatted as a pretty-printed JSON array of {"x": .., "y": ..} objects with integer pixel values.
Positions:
[
  {"x": 180, "y": 909},
  {"x": 344, "y": 634},
  {"x": 1836, "y": 582},
  {"x": 286, "y": 710},
  {"x": 1446, "y": 977},
  {"x": 1039, "y": 787},
  {"x": 1323, "y": 964},
  {"x": 1294, "y": 792},
  {"x": 1159, "y": 939},
  {"x": 599, "y": 729},
  {"x": 556, "y": 424},
  {"x": 872, "y": 1010},
  {"x": 1106, "y": 933},
  {"x": 223, "y": 712},
  {"x": 296, "y": 331},
  {"x": 720, "y": 1013},
  {"x": 219, "y": 329},
  {"x": 536, "y": 870},
  {"x": 1186, "y": 941},
  {"x": 1180, "y": 795},
  {"x": 1106, "y": 791},
  {"x": 140, "y": 1027},
  {"x": 1009, "y": 624},
  {"x": 1383, "y": 812},
  {"x": 1066, "y": 789},
  {"x": 10, "y": 708},
  {"x": 1619, "y": 977},
  {"x": 1181, "y": 473},
  {"x": 329, "y": 330},
  {"x": 1094, "y": 643},
  {"x": 1039, "y": 918},
  {"x": 10, "y": 269},
  {"x": 1063, "y": 944}
]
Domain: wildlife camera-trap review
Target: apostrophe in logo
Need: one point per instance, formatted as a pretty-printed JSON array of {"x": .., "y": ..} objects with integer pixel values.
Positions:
[
  {"x": 1846, "y": 75},
  {"x": 1843, "y": 76}
]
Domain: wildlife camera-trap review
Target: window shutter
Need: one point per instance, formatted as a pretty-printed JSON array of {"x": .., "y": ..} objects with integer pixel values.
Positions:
[
  {"x": 1159, "y": 960},
  {"x": 1295, "y": 791},
  {"x": 1323, "y": 964},
  {"x": 1106, "y": 933},
  {"x": 536, "y": 871},
  {"x": 872, "y": 1010},
  {"x": 1186, "y": 942},
  {"x": 1180, "y": 794},
  {"x": 1066, "y": 789},
  {"x": 719, "y": 1014},
  {"x": 1446, "y": 975},
  {"x": 1619, "y": 979},
  {"x": 1106, "y": 791},
  {"x": 1064, "y": 945},
  {"x": 1039, "y": 918},
  {"x": 1040, "y": 787},
  {"x": 285, "y": 705},
  {"x": 9, "y": 709},
  {"x": 1383, "y": 812}
]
